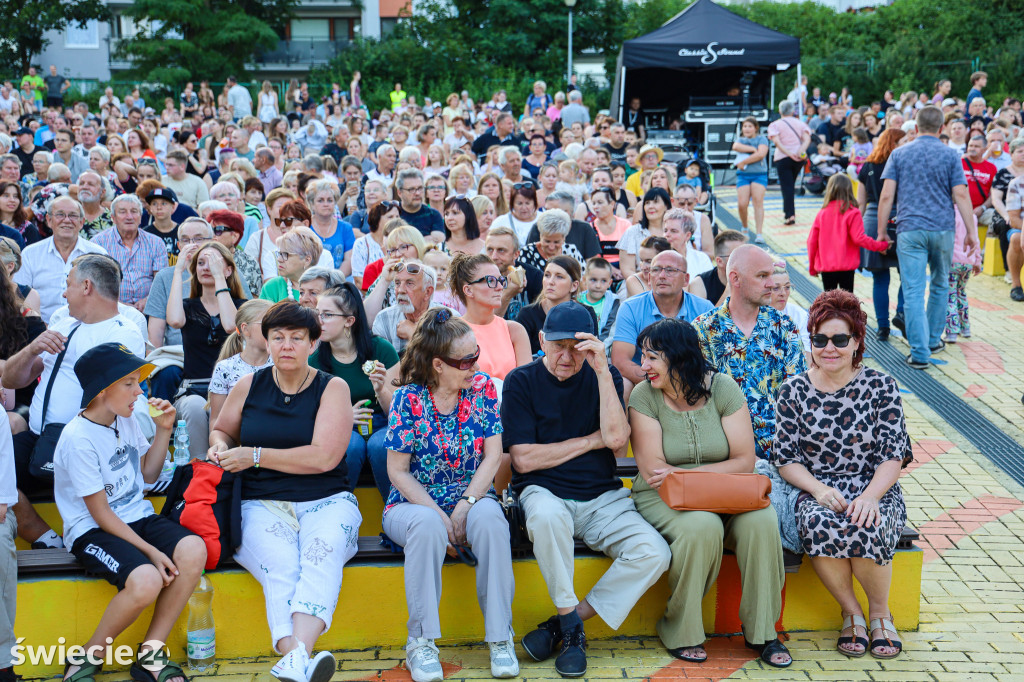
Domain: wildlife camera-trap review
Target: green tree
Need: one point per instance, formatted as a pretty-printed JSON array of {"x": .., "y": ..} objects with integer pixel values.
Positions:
[
  {"x": 27, "y": 21},
  {"x": 193, "y": 39}
]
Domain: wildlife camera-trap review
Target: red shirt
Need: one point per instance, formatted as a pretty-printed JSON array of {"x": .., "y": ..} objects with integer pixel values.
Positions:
[
  {"x": 984, "y": 173},
  {"x": 371, "y": 273}
]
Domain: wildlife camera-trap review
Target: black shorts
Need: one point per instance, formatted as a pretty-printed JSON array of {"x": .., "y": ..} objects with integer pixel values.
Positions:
[
  {"x": 55, "y": 101},
  {"x": 113, "y": 559}
]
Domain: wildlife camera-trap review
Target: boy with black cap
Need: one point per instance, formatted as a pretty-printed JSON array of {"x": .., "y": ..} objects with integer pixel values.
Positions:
[
  {"x": 100, "y": 465},
  {"x": 161, "y": 203}
]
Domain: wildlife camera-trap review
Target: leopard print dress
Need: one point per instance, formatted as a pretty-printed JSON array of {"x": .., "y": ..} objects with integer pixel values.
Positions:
[{"x": 842, "y": 438}]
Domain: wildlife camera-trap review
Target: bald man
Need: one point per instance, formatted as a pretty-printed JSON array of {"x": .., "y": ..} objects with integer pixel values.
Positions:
[
  {"x": 666, "y": 299},
  {"x": 752, "y": 342}
]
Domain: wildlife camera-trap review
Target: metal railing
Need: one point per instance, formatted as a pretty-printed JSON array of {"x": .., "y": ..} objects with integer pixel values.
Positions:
[{"x": 302, "y": 52}]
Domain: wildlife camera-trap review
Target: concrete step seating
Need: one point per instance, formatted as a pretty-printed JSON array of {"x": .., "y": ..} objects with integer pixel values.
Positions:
[{"x": 56, "y": 598}]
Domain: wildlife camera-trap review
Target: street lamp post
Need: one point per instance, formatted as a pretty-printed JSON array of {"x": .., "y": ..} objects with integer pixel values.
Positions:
[{"x": 568, "y": 76}]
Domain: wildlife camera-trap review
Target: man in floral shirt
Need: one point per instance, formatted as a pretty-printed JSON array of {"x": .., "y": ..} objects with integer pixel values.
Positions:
[{"x": 752, "y": 342}]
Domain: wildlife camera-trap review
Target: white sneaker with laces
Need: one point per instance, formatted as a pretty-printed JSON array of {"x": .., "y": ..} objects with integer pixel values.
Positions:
[
  {"x": 292, "y": 666},
  {"x": 321, "y": 668},
  {"x": 504, "y": 663},
  {"x": 421, "y": 658}
]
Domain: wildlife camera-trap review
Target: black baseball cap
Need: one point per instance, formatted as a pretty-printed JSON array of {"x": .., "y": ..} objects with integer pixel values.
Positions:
[
  {"x": 565, "y": 320},
  {"x": 23, "y": 130},
  {"x": 165, "y": 193},
  {"x": 104, "y": 365}
]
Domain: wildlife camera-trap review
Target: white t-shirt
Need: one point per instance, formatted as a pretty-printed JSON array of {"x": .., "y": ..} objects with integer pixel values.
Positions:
[
  {"x": 697, "y": 262},
  {"x": 8, "y": 486},
  {"x": 66, "y": 397},
  {"x": 799, "y": 317},
  {"x": 631, "y": 240},
  {"x": 521, "y": 228},
  {"x": 227, "y": 373},
  {"x": 90, "y": 458},
  {"x": 366, "y": 250}
]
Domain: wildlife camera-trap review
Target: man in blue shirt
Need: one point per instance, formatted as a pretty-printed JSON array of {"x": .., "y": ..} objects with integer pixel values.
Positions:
[
  {"x": 925, "y": 178},
  {"x": 412, "y": 210},
  {"x": 667, "y": 298}
]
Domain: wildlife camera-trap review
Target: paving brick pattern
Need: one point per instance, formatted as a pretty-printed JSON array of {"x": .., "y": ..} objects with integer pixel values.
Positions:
[{"x": 970, "y": 515}]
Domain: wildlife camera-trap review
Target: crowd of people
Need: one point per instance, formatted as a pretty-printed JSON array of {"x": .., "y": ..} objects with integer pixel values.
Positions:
[{"x": 458, "y": 301}]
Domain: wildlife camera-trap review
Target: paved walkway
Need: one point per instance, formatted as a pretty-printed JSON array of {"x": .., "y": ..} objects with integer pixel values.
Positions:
[{"x": 969, "y": 512}]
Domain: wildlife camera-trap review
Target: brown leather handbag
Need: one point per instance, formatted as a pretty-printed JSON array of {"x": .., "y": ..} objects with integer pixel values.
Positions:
[{"x": 715, "y": 492}]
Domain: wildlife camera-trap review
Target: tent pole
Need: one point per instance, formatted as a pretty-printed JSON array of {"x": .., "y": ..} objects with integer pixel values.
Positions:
[
  {"x": 622, "y": 93},
  {"x": 771, "y": 98},
  {"x": 799, "y": 82}
]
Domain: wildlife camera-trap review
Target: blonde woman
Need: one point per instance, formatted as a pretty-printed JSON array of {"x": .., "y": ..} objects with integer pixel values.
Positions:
[
  {"x": 297, "y": 251},
  {"x": 461, "y": 181},
  {"x": 485, "y": 214},
  {"x": 490, "y": 186},
  {"x": 267, "y": 103}
]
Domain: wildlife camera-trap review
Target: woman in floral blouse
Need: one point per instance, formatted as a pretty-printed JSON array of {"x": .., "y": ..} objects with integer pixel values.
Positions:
[{"x": 444, "y": 448}]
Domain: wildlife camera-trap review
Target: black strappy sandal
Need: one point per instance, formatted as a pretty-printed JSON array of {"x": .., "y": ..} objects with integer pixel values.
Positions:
[
  {"x": 768, "y": 649},
  {"x": 86, "y": 673},
  {"x": 139, "y": 673},
  {"x": 886, "y": 626},
  {"x": 678, "y": 653}
]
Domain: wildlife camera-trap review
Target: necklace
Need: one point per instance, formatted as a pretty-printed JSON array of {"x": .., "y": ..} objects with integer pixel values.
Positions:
[
  {"x": 288, "y": 396},
  {"x": 112, "y": 427},
  {"x": 443, "y": 440}
]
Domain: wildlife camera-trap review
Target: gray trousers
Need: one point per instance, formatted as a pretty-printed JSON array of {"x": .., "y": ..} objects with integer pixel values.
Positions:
[
  {"x": 192, "y": 408},
  {"x": 8, "y": 587},
  {"x": 421, "y": 532},
  {"x": 609, "y": 524}
]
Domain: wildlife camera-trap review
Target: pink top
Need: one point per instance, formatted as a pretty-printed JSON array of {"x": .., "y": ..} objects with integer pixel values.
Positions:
[
  {"x": 497, "y": 355},
  {"x": 835, "y": 238},
  {"x": 609, "y": 241},
  {"x": 788, "y": 132},
  {"x": 960, "y": 255}
]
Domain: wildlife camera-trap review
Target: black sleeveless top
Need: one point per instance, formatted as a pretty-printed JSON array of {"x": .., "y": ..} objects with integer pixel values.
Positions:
[
  {"x": 268, "y": 422},
  {"x": 712, "y": 285}
]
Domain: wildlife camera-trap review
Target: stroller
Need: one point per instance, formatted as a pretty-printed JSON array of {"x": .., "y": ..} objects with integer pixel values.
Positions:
[
  {"x": 813, "y": 179},
  {"x": 707, "y": 183}
]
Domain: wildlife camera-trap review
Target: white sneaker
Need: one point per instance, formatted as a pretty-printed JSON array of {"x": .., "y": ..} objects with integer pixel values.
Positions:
[
  {"x": 292, "y": 666},
  {"x": 321, "y": 668},
  {"x": 421, "y": 658},
  {"x": 503, "y": 658}
]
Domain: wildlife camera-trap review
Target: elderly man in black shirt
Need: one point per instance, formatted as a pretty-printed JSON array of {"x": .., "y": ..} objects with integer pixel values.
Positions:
[{"x": 563, "y": 419}]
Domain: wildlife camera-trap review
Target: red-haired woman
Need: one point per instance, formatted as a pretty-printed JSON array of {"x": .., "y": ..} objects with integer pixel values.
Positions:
[{"x": 841, "y": 438}]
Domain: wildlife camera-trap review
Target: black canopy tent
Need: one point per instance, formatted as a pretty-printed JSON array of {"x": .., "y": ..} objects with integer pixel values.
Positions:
[{"x": 705, "y": 50}]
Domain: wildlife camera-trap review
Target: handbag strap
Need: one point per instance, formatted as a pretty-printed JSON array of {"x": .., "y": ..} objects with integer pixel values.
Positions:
[
  {"x": 53, "y": 377},
  {"x": 981, "y": 190}
]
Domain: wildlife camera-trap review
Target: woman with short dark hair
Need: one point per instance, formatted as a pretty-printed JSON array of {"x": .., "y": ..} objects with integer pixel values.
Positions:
[
  {"x": 444, "y": 449},
  {"x": 841, "y": 437},
  {"x": 522, "y": 214},
  {"x": 461, "y": 230},
  {"x": 284, "y": 429}
]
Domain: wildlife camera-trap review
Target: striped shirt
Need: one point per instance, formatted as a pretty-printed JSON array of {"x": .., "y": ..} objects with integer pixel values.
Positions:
[{"x": 139, "y": 264}]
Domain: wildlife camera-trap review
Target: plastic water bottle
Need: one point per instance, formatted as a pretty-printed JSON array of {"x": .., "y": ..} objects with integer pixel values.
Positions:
[
  {"x": 181, "y": 451},
  {"x": 202, "y": 641}
]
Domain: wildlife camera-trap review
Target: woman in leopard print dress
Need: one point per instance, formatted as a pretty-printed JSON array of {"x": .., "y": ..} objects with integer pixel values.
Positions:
[{"x": 841, "y": 437}]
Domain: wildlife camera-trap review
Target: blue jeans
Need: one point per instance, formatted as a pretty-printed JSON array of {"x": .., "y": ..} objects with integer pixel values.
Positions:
[
  {"x": 165, "y": 383},
  {"x": 360, "y": 450},
  {"x": 919, "y": 250},
  {"x": 880, "y": 296}
]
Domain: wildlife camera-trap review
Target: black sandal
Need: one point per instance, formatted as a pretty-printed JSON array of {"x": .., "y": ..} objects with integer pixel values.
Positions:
[
  {"x": 678, "y": 653},
  {"x": 86, "y": 673},
  {"x": 768, "y": 649},
  {"x": 138, "y": 673},
  {"x": 886, "y": 626}
]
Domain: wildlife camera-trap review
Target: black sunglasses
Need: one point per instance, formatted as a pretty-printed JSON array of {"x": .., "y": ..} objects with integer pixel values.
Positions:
[
  {"x": 838, "y": 340},
  {"x": 522, "y": 185},
  {"x": 462, "y": 364}
]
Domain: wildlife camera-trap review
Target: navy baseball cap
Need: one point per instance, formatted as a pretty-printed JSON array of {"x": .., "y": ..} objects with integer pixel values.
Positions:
[
  {"x": 565, "y": 320},
  {"x": 24, "y": 130},
  {"x": 104, "y": 365},
  {"x": 163, "y": 193}
]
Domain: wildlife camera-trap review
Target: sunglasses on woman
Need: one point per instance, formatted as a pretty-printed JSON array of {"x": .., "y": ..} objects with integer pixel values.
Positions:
[
  {"x": 838, "y": 340},
  {"x": 492, "y": 281},
  {"x": 462, "y": 364}
]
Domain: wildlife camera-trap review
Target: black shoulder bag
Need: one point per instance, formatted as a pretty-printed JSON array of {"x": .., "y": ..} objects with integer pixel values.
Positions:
[{"x": 40, "y": 463}]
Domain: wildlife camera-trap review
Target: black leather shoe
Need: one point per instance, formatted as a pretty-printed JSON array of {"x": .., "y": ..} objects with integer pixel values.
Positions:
[
  {"x": 883, "y": 334},
  {"x": 900, "y": 323},
  {"x": 543, "y": 641},
  {"x": 572, "y": 661},
  {"x": 939, "y": 348},
  {"x": 1017, "y": 294}
]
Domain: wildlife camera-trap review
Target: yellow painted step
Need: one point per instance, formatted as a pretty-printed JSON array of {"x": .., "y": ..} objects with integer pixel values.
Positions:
[
  {"x": 372, "y": 612},
  {"x": 992, "y": 264}
]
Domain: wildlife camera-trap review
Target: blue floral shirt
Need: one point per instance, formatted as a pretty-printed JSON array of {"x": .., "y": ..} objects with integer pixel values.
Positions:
[
  {"x": 443, "y": 462},
  {"x": 760, "y": 363}
]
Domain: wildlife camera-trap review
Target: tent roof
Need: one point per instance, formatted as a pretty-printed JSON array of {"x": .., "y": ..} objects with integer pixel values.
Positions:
[{"x": 707, "y": 36}]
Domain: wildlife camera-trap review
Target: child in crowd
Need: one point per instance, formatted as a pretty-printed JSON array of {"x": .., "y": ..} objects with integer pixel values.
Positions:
[
  {"x": 958, "y": 322},
  {"x": 436, "y": 258},
  {"x": 827, "y": 162},
  {"x": 860, "y": 150},
  {"x": 835, "y": 240},
  {"x": 691, "y": 177},
  {"x": 597, "y": 278},
  {"x": 101, "y": 463},
  {"x": 569, "y": 180},
  {"x": 161, "y": 203}
]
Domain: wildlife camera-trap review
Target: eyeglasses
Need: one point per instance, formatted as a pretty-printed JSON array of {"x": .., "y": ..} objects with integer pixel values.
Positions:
[
  {"x": 400, "y": 247},
  {"x": 195, "y": 240},
  {"x": 838, "y": 340},
  {"x": 327, "y": 317},
  {"x": 437, "y": 188},
  {"x": 284, "y": 255},
  {"x": 492, "y": 281},
  {"x": 61, "y": 215},
  {"x": 657, "y": 270},
  {"x": 462, "y": 364},
  {"x": 414, "y": 190}
]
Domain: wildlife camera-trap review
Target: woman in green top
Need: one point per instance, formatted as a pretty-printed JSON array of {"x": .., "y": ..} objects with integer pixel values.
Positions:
[
  {"x": 347, "y": 350},
  {"x": 297, "y": 251},
  {"x": 687, "y": 416}
]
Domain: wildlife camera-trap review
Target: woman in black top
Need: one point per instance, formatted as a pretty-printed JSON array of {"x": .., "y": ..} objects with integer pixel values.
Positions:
[
  {"x": 205, "y": 319},
  {"x": 868, "y": 190},
  {"x": 285, "y": 429},
  {"x": 562, "y": 281}
]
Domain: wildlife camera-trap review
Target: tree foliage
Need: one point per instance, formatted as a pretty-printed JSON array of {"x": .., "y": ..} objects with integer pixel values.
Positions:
[
  {"x": 478, "y": 45},
  {"x": 27, "y": 21},
  {"x": 195, "y": 39}
]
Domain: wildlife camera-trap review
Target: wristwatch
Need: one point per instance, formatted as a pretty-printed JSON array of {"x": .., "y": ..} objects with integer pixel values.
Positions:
[{"x": 469, "y": 498}]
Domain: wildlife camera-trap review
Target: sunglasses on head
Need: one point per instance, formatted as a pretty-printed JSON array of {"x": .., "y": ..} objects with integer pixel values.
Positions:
[
  {"x": 838, "y": 340},
  {"x": 388, "y": 205},
  {"x": 462, "y": 364},
  {"x": 411, "y": 268},
  {"x": 522, "y": 185}
]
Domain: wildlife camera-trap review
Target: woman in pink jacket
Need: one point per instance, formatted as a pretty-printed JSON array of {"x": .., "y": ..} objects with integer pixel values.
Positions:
[
  {"x": 964, "y": 265},
  {"x": 838, "y": 232}
]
